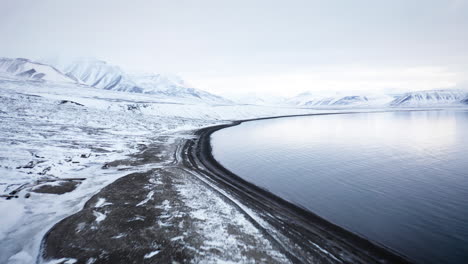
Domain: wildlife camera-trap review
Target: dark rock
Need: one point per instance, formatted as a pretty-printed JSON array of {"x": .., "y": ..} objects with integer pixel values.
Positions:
[
  {"x": 70, "y": 102},
  {"x": 44, "y": 171},
  {"x": 8, "y": 197},
  {"x": 61, "y": 188},
  {"x": 30, "y": 165}
]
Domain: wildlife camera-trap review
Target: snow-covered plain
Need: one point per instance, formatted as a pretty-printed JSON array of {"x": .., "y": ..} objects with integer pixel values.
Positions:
[{"x": 51, "y": 131}]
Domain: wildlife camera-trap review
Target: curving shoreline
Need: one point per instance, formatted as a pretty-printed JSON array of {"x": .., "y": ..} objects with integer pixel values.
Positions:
[
  {"x": 106, "y": 229},
  {"x": 303, "y": 235}
]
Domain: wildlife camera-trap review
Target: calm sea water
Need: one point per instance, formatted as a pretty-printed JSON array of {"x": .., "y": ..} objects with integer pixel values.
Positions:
[{"x": 398, "y": 178}]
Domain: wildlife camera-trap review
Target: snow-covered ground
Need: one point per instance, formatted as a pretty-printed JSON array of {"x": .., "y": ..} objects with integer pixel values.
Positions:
[{"x": 52, "y": 131}]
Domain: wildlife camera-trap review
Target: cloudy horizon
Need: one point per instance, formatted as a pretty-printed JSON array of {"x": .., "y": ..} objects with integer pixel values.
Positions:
[{"x": 263, "y": 47}]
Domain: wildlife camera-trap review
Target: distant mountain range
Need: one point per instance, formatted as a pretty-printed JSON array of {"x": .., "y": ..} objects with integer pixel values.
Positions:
[
  {"x": 431, "y": 98},
  {"x": 102, "y": 75},
  {"x": 105, "y": 76},
  {"x": 309, "y": 99},
  {"x": 448, "y": 97},
  {"x": 99, "y": 74}
]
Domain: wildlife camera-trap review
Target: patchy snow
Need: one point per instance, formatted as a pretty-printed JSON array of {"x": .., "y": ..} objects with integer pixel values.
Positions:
[
  {"x": 216, "y": 225},
  {"x": 62, "y": 261},
  {"x": 101, "y": 203},
  {"x": 99, "y": 216},
  {"x": 152, "y": 254},
  {"x": 148, "y": 197}
]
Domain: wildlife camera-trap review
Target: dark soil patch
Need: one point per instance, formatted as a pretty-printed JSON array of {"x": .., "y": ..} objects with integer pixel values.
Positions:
[{"x": 59, "y": 187}]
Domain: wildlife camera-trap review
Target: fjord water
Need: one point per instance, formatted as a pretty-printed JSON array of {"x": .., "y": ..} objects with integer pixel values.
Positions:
[{"x": 397, "y": 178}]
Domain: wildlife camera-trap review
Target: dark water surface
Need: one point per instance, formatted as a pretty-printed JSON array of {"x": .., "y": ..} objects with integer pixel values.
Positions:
[{"x": 398, "y": 178}]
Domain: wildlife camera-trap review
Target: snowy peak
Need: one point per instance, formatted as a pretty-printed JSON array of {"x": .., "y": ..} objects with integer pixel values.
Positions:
[
  {"x": 25, "y": 69},
  {"x": 102, "y": 75},
  {"x": 431, "y": 98},
  {"x": 174, "y": 86},
  {"x": 99, "y": 74}
]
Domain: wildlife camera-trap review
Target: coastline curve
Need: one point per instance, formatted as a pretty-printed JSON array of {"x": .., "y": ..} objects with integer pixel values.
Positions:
[{"x": 304, "y": 236}]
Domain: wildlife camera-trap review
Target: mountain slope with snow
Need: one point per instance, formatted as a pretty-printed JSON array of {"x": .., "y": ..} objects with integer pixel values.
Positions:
[
  {"x": 28, "y": 70},
  {"x": 99, "y": 74},
  {"x": 102, "y": 75},
  {"x": 173, "y": 86},
  {"x": 431, "y": 98}
]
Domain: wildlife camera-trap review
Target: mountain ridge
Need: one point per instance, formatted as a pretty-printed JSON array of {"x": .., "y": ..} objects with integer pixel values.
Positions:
[
  {"x": 438, "y": 97},
  {"x": 101, "y": 75},
  {"x": 26, "y": 69}
]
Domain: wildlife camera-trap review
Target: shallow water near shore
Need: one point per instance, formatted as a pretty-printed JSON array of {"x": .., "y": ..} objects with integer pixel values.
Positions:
[{"x": 397, "y": 178}]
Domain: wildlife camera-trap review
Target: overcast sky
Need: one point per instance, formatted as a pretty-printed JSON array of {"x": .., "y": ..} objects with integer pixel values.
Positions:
[{"x": 276, "y": 47}]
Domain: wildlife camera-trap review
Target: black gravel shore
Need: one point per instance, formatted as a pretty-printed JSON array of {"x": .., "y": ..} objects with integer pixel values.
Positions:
[{"x": 303, "y": 236}]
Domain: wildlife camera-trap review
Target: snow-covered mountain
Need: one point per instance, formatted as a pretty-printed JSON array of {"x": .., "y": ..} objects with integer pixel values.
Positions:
[
  {"x": 99, "y": 74},
  {"x": 102, "y": 75},
  {"x": 431, "y": 98},
  {"x": 20, "y": 68},
  {"x": 173, "y": 86},
  {"x": 309, "y": 99}
]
